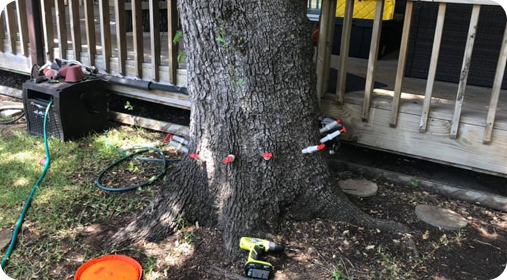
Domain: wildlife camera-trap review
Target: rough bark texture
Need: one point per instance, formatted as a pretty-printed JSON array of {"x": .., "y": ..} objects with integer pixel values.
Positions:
[{"x": 251, "y": 79}]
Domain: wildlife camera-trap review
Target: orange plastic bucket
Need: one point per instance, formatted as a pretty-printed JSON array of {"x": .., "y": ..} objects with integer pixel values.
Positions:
[{"x": 110, "y": 267}]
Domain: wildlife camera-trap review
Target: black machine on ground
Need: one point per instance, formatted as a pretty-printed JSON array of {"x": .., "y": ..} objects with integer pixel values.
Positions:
[{"x": 79, "y": 108}]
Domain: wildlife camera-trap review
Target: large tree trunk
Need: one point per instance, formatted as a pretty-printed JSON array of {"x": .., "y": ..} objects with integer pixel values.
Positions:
[{"x": 251, "y": 79}]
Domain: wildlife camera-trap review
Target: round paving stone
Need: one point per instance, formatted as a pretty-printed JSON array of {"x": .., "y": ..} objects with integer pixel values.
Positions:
[
  {"x": 360, "y": 188},
  {"x": 440, "y": 217}
]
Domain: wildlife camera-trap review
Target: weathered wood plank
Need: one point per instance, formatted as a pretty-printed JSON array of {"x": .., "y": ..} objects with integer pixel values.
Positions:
[
  {"x": 344, "y": 50},
  {"x": 23, "y": 26},
  {"x": 155, "y": 38},
  {"x": 11, "y": 92},
  {"x": 172, "y": 15},
  {"x": 121, "y": 34},
  {"x": 149, "y": 123},
  {"x": 400, "y": 72},
  {"x": 61, "y": 27},
  {"x": 497, "y": 86},
  {"x": 137, "y": 32},
  {"x": 433, "y": 67},
  {"x": 470, "y": 2},
  {"x": 90, "y": 31},
  {"x": 321, "y": 50},
  {"x": 10, "y": 17},
  {"x": 467, "y": 152},
  {"x": 75, "y": 29},
  {"x": 373, "y": 57},
  {"x": 105, "y": 35},
  {"x": 47, "y": 26},
  {"x": 465, "y": 69}
]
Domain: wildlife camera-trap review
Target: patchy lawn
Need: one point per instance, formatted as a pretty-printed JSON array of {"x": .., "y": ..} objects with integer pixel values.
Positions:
[{"x": 70, "y": 220}]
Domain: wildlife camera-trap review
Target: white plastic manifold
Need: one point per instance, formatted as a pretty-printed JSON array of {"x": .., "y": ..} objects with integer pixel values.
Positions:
[
  {"x": 330, "y": 136},
  {"x": 330, "y": 126},
  {"x": 313, "y": 149},
  {"x": 178, "y": 146},
  {"x": 180, "y": 140}
]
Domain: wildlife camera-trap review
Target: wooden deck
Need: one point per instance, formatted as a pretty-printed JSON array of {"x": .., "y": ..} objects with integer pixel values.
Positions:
[{"x": 467, "y": 151}]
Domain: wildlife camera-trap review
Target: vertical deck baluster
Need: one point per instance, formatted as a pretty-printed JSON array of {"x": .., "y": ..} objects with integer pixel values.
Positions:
[
  {"x": 121, "y": 35},
  {"x": 372, "y": 60},
  {"x": 105, "y": 35},
  {"x": 344, "y": 51},
  {"x": 137, "y": 30},
  {"x": 497, "y": 86},
  {"x": 12, "y": 32},
  {"x": 465, "y": 69},
  {"x": 433, "y": 67},
  {"x": 2, "y": 31},
  {"x": 155, "y": 38},
  {"x": 172, "y": 16},
  {"x": 90, "y": 31},
  {"x": 329, "y": 46},
  {"x": 321, "y": 52},
  {"x": 75, "y": 29},
  {"x": 23, "y": 26},
  {"x": 61, "y": 27},
  {"x": 47, "y": 26},
  {"x": 400, "y": 72}
]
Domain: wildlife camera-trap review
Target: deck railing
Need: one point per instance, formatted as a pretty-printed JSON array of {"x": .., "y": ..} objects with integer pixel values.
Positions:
[
  {"x": 64, "y": 21},
  {"x": 324, "y": 53}
]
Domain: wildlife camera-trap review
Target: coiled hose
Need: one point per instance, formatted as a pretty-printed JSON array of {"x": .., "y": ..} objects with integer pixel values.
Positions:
[
  {"x": 32, "y": 193},
  {"x": 134, "y": 155},
  {"x": 16, "y": 118}
]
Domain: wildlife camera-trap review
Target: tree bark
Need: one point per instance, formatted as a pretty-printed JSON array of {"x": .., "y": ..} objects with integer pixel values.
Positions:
[{"x": 251, "y": 80}]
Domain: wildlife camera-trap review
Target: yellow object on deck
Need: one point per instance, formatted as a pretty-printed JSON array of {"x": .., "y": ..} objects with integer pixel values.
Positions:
[{"x": 365, "y": 9}]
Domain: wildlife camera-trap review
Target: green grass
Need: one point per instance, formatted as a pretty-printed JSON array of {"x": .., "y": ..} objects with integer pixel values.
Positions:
[{"x": 67, "y": 200}]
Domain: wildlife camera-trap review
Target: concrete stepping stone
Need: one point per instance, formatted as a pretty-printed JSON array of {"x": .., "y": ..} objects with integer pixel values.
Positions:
[
  {"x": 5, "y": 238},
  {"x": 359, "y": 187},
  {"x": 440, "y": 217}
]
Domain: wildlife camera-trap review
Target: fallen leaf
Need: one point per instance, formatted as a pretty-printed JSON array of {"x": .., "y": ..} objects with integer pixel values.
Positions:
[{"x": 426, "y": 235}]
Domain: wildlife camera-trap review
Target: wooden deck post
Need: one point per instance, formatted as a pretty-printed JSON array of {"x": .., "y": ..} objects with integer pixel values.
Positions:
[
  {"x": 322, "y": 50},
  {"x": 137, "y": 31},
  {"x": 105, "y": 35},
  {"x": 497, "y": 86},
  {"x": 35, "y": 31},
  {"x": 75, "y": 29},
  {"x": 329, "y": 46},
  {"x": 61, "y": 28},
  {"x": 433, "y": 67},
  {"x": 155, "y": 38},
  {"x": 90, "y": 31},
  {"x": 344, "y": 51},
  {"x": 10, "y": 17},
  {"x": 372, "y": 60},
  {"x": 121, "y": 35},
  {"x": 172, "y": 21},
  {"x": 465, "y": 69},
  {"x": 23, "y": 26},
  {"x": 400, "y": 72}
]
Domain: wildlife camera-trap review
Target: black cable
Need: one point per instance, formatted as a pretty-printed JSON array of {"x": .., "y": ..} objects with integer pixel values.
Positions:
[{"x": 15, "y": 119}]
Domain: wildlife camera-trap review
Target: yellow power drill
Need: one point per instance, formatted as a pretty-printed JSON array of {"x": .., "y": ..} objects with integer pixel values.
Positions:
[{"x": 254, "y": 266}]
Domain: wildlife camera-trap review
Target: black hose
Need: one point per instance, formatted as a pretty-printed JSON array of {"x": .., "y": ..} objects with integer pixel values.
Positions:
[
  {"x": 16, "y": 118},
  {"x": 146, "y": 85}
]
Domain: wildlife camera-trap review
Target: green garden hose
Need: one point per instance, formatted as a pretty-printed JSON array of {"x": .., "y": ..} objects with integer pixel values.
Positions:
[
  {"x": 134, "y": 154},
  {"x": 32, "y": 193}
]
